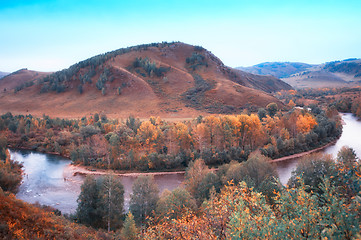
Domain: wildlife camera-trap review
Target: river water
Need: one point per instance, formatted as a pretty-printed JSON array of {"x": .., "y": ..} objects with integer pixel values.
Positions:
[
  {"x": 46, "y": 182},
  {"x": 351, "y": 136}
]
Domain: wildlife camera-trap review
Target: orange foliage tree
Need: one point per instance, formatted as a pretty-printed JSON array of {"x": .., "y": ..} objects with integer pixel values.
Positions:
[
  {"x": 148, "y": 134},
  {"x": 305, "y": 123}
]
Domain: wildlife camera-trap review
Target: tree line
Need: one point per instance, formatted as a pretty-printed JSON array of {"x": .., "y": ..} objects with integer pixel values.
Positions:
[{"x": 156, "y": 144}]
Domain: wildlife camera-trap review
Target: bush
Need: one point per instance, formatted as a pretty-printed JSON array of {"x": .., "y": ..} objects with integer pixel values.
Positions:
[{"x": 196, "y": 60}]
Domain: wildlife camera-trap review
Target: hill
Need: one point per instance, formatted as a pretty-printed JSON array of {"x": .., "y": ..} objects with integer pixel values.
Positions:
[
  {"x": 277, "y": 69},
  {"x": 20, "y": 220},
  {"x": 20, "y": 79},
  {"x": 346, "y": 73},
  {"x": 164, "y": 79}
]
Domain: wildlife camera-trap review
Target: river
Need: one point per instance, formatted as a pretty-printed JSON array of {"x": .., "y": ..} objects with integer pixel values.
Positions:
[
  {"x": 351, "y": 136},
  {"x": 46, "y": 182}
]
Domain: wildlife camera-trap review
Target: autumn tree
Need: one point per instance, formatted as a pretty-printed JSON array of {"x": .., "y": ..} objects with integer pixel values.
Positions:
[
  {"x": 144, "y": 198},
  {"x": 340, "y": 214},
  {"x": 210, "y": 184},
  {"x": 347, "y": 156},
  {"x": 129, "y": 230},
  {"x": 100, "y": 203},
  {"x": 3, "y": 146},
  {"x": 256, "y": 133},
  {"x": 291, "y": 103},
  {"x": 227, "y": 131},
  {"x": 305, "y": 123},
  {"x": 201, "y": 135},
  {"x": 299, "y": 214},
  {"x": 148, "y": 134},
  {"x": 10, "y": 170},
  {"x": 21, "y": 220},
  {"x": 111, "y": 201},
  {"x": 262, "y": 113},
  {"x": 243, "y": 127},
  {"x": 179, "y": 138},
  {"x": 133, "y": 123},
  {"x": 310, "y": 171},
  {"x": 257, "y": 172},
  {"x": 183, "y": 137},
  {"x": 88, "y": 201},
  {"x": 250, "y": 216},
  {"x": 213, "y": 123},
  {"x": 189, "y": 226},
  {"x": 272, "y": 109},
  {"x": 172, "y": 204},
  {"x": 199, "y": 180},
  {"x": 88, "y": 131}
]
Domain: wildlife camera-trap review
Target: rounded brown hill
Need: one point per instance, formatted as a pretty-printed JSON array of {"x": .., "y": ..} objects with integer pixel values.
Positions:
[
  {"x": 171, "y": 80},
  {"x": 20, "y": 79}
]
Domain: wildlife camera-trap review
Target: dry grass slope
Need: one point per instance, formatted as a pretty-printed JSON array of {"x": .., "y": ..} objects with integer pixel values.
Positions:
[{"x": 185, "y": 81}]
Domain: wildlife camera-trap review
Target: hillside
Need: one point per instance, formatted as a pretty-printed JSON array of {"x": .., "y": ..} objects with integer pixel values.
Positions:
[
  {"x": 3, "y": 74},
  {"x": 20, "y": 220},
  {"x": 346, "y": 73},
  {"x": 277, "y": 69},
  {"x": 165, "y": 79},
  {"x": 20, "y": 79}
]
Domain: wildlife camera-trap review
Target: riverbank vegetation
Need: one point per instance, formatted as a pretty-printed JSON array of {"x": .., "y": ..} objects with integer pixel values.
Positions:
[
  {"x": 240, "y": 200},
  {"x": 10, "y": 170},
  {"x": 20, "y": 220},
  {"x": 246, "y": 200},
  {"x": 346, "y": 99},
  {"x": 156, "y": 144}
]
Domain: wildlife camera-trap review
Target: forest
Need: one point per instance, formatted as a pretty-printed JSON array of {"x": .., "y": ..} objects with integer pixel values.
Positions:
[
  {"x": 346, "y": 99},
  {"x": 230, "y": 191},
  {"x": 156, "y": 144}
]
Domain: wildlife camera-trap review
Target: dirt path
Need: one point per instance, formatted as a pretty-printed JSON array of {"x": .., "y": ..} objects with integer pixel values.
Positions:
[{"x": 298, "y": 155}]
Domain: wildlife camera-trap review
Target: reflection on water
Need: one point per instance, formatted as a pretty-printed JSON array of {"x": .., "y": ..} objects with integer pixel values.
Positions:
[
  {"x": 351, "y": 136},
  {"x": 46, "y": 182},
  {"x": 285, "y": 169}
]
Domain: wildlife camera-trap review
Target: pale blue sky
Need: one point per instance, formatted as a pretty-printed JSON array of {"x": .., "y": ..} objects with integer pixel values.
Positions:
[{"x": 52, "y": 35}]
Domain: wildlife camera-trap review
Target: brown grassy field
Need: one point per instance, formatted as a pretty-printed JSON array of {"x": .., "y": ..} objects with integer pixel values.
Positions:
[{"x": 229, "y": 90}]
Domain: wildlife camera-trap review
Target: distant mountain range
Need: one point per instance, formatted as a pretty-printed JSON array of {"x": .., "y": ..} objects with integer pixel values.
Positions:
[
  {"x": 160, "y": 79},
  {"x": 3, "y": 74},
  {"x": 277, "y": 69},
  {"x": 302, "y": 75}
]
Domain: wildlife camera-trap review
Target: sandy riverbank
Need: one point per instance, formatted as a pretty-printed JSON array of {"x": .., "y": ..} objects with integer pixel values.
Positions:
[
  {"x": 73, "y": 170},
  {"x": 298, "y": 155}
]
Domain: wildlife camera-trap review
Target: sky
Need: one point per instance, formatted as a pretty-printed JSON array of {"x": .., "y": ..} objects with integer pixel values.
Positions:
[{"x": 52, "y": 35}]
